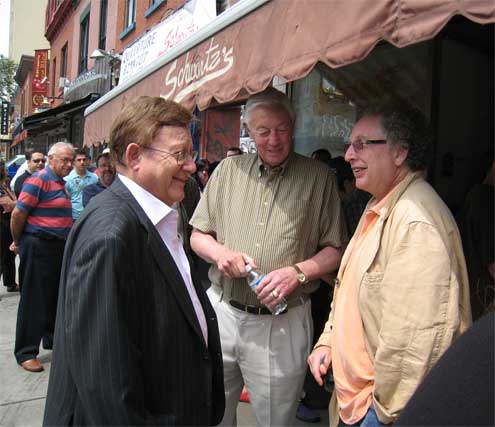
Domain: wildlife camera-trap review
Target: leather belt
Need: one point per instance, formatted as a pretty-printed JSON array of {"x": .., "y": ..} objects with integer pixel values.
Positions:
[{"x": 262, "y": 310}]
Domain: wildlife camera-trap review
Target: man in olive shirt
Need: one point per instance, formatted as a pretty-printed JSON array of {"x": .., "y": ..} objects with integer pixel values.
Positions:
[{"x": 280, "y": 212}]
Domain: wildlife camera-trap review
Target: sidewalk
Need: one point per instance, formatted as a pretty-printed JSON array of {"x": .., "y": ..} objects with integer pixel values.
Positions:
[{"x": 22, "y": 394}]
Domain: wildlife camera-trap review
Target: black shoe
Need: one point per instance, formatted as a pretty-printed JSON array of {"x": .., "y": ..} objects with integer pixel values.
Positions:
[{"x": 13, "y": 288}]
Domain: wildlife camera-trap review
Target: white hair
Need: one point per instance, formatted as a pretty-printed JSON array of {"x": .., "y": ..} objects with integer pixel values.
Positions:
[
  {"x": 270, "y": 98},
  {"x": 60, "y": 145}
]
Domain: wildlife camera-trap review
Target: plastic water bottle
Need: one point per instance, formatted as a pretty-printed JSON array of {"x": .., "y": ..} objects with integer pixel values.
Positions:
[{"x": 254, "y": 278}]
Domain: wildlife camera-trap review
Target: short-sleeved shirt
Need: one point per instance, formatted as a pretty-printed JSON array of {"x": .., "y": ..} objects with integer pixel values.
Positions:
[
  {"x": 75, "y": 186},
  {"x": 44, "y": 198},
  {"x": 278, "y": 216}
]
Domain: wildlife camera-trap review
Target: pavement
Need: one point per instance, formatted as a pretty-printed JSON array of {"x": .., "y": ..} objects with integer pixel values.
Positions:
[{"x": 23, "y": 394}]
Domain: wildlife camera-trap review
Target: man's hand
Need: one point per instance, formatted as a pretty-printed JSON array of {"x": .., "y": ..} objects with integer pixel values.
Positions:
[
  {"x": 277, "y": 285},
  {"x": 14, "y": 248},
  {"x": 7, "y": 204},
  {"x": 233, "y": 264},
  {"x": 319, "y": 362}
]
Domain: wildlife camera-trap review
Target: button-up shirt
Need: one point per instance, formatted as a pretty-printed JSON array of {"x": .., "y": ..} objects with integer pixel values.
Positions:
[
  {"x": 164, "y": 218},
  {"x": 278, "y": 216}
]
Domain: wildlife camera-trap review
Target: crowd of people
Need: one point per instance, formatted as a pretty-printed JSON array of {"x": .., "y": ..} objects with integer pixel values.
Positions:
[{"x": 117, "y": 285}]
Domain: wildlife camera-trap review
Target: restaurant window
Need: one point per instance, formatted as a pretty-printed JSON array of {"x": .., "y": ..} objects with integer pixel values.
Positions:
[
  {"x": 83, "y": 44},
  {"x": 63, "y": 61},
  {"x": 102, "y": 38},
  {"x": 328, "y": 100}
]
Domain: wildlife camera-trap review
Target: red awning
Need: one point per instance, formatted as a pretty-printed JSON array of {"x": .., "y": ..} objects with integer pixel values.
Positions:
[{"x": 286, "y": 38}]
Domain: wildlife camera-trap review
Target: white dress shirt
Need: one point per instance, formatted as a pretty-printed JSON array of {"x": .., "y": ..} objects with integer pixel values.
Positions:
[{"x": 165, "y": 219}]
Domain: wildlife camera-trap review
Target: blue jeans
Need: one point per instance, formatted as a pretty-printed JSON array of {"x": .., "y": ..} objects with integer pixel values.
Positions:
[{"x": 369, "y": 420}]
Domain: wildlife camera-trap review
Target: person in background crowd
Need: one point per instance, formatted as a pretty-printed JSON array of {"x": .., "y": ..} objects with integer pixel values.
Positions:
[
  {"x": 136, "y": 339},
  {"x": 354, "y": 200},
  {"x": 22, "y": 168},
  {"x": 186, "y": 207},
  {"x": 202, "y": 173},
  {"x": 89, "y": 166},
  {"x": 402, "y": 293},
  {"x": 35, "y": 162},
  {"x": 277, "y": 211},
  {"x": 77, "y": 180},
  {"x": 7, "y": 257},
  {"x": 40, "y": 224},
  {"x": 323, "y": 155},
  {"x": 106, "y": 175},
  {"x": 234, "y": 151},
  {"x": 476, "y": 222}
]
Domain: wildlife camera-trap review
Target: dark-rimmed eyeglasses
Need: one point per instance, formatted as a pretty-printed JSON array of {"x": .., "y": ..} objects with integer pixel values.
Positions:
[
  {"x": 359, "y": 145},
  {"x": 38, "y": 161},
  {"x": 181, "y": 157}
]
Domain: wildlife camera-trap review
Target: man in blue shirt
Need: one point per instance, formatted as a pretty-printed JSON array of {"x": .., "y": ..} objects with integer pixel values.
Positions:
[{"x": 77, "y": 180}]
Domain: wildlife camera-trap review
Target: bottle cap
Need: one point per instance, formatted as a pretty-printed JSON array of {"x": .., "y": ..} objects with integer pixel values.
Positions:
[{"x": 248, "y": 268}]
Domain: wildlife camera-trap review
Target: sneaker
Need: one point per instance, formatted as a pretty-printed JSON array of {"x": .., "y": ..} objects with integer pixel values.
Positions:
[{"x": 307, "y": 415}]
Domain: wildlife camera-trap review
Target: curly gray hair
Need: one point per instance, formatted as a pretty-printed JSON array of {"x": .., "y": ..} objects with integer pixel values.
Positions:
[{"x": 405, "y": 125}]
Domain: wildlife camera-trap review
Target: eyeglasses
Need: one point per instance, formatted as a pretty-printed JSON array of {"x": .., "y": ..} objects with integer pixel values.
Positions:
[
  {"x": 38, "y": 161},
  {"x": 265, "y": 132},
  {"x": 359, "y": 145},
  {"x": 181, "y": 157},
  {"x": 65, "y": 159}
]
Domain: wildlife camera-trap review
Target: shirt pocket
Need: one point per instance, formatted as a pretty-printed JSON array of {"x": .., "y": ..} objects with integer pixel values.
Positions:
[{"x": 373, "y": 280}]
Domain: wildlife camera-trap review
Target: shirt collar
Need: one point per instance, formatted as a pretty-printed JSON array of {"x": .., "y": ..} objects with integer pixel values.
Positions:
[
  {"x": 154, "y": 208},
  {"x": 51, "y": 174},
  {"x": 280, "y": 169}
]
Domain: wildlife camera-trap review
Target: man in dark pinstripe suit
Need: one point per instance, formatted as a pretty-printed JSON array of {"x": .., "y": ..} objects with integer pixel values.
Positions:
[{"x": 136, "y": 339}]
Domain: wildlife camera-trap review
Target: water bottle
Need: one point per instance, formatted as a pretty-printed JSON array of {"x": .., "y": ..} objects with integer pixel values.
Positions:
[{"x": 254, "y": 278}]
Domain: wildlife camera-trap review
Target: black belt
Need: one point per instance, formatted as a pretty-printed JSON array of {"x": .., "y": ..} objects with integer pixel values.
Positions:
[{"x": 254, "y": 309}]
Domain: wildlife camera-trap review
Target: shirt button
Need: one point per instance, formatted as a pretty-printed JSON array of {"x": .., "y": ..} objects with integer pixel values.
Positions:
[{"x": 257, "y": 245}]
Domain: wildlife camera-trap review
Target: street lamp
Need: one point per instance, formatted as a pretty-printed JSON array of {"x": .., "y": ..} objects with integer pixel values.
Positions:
[{"x": 114, "y": 61}]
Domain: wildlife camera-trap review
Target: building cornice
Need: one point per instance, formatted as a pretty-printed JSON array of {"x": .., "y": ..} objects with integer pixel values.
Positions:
[{"x": 56, "y": 20}]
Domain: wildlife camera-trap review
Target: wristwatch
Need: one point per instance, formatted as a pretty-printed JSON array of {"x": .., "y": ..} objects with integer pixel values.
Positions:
[{"x": 301, "y": 277}]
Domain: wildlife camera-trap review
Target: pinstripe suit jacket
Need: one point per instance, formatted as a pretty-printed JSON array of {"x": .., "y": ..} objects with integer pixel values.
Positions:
[{"x": 128, "y": 347}]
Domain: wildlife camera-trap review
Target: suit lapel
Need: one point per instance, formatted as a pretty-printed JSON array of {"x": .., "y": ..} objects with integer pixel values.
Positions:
[{"x": 163, "y": 258}]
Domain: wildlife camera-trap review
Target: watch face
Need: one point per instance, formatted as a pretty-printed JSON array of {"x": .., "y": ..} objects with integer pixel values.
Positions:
[{"x": 301, "y": 277}]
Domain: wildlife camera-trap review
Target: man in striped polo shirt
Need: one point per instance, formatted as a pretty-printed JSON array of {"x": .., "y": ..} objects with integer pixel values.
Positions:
[
  {"x": 280, "y": 212},
  {"x": 40, "y": 224}
]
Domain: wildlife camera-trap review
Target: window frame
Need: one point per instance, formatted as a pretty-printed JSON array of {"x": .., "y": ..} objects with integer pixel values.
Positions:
[{"x": 83, "y": 43}]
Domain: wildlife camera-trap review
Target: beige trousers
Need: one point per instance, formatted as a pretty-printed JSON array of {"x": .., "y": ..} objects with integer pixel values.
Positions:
[{"x": 266, "y": 353}]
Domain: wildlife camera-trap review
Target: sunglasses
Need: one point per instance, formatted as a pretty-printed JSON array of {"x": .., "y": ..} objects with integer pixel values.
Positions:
[{"x": 39, "y": 161}]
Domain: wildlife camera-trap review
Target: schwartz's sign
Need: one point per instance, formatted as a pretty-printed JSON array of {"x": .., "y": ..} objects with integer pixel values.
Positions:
[{"x": 196, "y": 70}]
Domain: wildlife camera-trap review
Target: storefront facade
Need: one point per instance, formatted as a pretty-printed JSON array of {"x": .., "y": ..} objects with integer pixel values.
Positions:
[{"x": 333, "y": 57}]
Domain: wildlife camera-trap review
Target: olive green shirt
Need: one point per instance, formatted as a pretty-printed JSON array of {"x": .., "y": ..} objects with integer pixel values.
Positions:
[{"x": 277, "y": 216}]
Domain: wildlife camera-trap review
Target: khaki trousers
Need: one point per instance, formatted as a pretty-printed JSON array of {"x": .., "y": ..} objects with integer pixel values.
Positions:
[{"x": 266, "y": 353}]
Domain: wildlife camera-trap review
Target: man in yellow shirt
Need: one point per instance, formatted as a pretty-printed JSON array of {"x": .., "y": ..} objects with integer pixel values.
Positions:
[{"x": 401, "y": 293}]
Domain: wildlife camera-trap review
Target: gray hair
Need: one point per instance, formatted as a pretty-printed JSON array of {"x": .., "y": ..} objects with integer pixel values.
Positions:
[
  {"x": 270, "y": 98},
  {"x": 60, "y": 145},
  {"x": 405, "y": 125}
]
